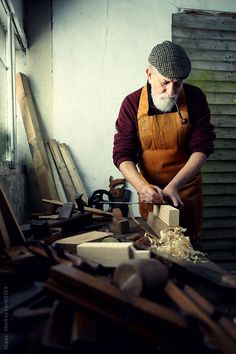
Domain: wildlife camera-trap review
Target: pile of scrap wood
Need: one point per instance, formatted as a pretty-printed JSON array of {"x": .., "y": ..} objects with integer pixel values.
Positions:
[
  {"x": 142, "y": 299},
  {"x": 139, "y": 297},
  {"x": 56, "y": 172}
]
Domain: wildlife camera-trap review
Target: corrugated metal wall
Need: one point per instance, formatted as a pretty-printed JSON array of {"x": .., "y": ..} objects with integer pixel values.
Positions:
[{"x": 210, "y": 41}]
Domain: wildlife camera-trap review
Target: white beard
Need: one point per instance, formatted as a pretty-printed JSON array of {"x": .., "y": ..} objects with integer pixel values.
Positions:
[{"x": 164, "y": 102}]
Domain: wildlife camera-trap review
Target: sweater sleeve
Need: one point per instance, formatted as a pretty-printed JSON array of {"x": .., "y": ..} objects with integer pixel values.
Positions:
[
  {"x": 126, "y": 142},
  {"x": 202, "y": 132}
]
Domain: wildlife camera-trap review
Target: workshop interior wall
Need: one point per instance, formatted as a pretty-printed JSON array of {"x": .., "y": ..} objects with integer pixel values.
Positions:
[{"x": 84, "y": 57}]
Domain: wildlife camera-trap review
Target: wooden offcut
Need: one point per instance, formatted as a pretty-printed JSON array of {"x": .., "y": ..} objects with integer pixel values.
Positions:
[
  {"x": 167, "y": 213},
  {"x": 119, "y": 224},
  {"x": 71, "y": 167},
  {"x": 35, "y": 139},
  {"x": 70, "y": 243},
  {"x": 66, "y": 180},
  {"x": 109, "y": 254}
]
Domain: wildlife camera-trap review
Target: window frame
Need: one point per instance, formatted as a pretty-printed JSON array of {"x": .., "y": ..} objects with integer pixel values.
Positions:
[{"x": 14, "y": 39}]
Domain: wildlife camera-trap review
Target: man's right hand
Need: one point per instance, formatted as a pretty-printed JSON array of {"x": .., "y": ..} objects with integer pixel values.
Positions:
[{"x": 150, "y": 194}]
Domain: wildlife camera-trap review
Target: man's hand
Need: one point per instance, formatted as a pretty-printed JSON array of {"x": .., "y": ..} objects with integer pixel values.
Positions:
[
  {"x": 150, "y": 194},
  {"x": 171, "y": 192}
]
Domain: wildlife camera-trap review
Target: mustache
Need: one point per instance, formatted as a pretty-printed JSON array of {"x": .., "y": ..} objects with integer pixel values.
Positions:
[{"x": 164, "y": 96}]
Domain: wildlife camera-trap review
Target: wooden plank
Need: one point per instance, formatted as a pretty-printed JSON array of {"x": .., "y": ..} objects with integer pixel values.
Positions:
[
  {"x": 221, "y": 23},
  {"x": 70, "y": 243},
  {"x": 225, "y": 143},
  {"x": 214, "y": 86},
  {"x": 219, "y": 233},
  {"x": 223, "y": 166},
  {"x": 225, "y": 133},
  {"x": 211, "y": 75},
  {"x": 10, "y": 229},
  {"x": 168, "y": 214},
  {"x": 56, "y": 177},
  {"x": 223, "y": 109},
  {"x": 216, "y": 212},
  {"x": 62, "y": 170},
  {"x": 219, "y": 256},
  {"x": 220, "y": 244},
  {"x": 216, "y": 55},
  {"x": 204, "y": 33},
  {"x": 224, "y": 178},
  {"x": 226, "y": 98},
  {"x": 213, "y": 189},
  {"x": 204, "y": 43},
  {"x": 219, "y": 200},
  {"x": 219, "y": 222},
  {"x": 213, "y": 65},
  {"x": 35, "y": 139},
  {"x": 224, "y": 120},
  {"x": 71, "y": 167}
]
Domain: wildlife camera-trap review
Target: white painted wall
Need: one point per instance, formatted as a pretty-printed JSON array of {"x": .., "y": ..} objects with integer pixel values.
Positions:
[{"x": 98, "y": 51}]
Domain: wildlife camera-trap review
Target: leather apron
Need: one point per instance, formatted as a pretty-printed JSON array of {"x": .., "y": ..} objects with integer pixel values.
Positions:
[{"x": 164, "y": 152}]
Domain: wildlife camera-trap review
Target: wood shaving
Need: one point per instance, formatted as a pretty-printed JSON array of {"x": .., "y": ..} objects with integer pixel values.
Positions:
[{"x": 173, "y": 242}]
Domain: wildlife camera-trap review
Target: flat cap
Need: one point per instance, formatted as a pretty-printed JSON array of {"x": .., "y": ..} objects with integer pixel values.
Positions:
[{"x": 170, "y": 60}]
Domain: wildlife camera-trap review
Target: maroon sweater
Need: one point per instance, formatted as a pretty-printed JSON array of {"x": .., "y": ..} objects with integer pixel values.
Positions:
[{"x": 127, "y": 146}]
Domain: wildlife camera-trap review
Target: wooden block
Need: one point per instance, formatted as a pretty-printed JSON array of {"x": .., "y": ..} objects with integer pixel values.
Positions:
[
  {"x": 35, "y": 139},
  {"x": 120, "y": 226},
  {"x": 156, "y": 223},
  {"x": 168, "y": 214},
  {"x": 70, "y": 243},
  {"x": 109, "y": 254}
]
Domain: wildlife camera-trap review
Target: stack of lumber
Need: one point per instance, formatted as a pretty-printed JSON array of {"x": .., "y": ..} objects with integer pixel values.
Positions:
[
  {"x": 66, "y": 178},
  {"x": 55, "y": 169}
]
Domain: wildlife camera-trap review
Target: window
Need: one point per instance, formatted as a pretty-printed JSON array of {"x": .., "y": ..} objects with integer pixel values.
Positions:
[
  {"x": 3, "y": 97},
  {"x": 11, "y": 37}
]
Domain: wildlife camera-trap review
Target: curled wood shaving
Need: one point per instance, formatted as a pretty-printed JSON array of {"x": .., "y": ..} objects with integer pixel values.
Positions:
[{"x": 173, "y": 242}]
